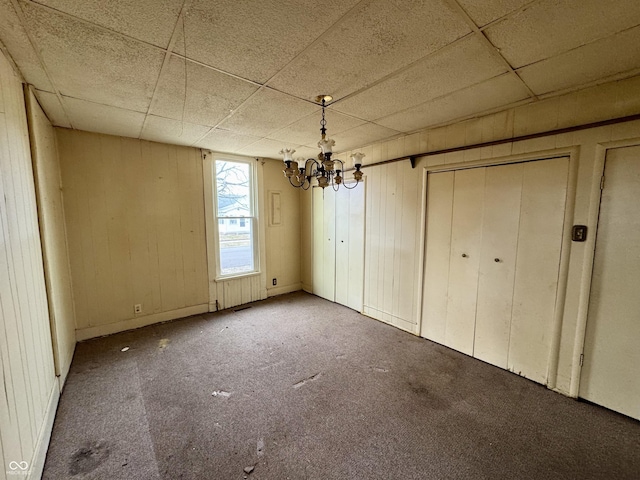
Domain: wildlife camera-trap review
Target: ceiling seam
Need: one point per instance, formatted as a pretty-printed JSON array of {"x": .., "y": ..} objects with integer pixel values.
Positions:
[
  {"x": 92, "y": 24},
  {"x": 317, "y": 39},
  {"x": 509, "y": 15},
  {"x": 165, "y": 63},
  {"x": 491, "y": 47},
  {"x": 23, "y": 23},
  {"x": 401, "y": 70},
  {"x": 265, "y": 85},
  {"x": 134, "y": 39}
]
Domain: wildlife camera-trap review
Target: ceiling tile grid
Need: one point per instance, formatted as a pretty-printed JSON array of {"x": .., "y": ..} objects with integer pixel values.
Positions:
[
  {"x": 255, "y": 67},
  {"x": 210, "y": 95},
  {"x": 93, "y": 64}
]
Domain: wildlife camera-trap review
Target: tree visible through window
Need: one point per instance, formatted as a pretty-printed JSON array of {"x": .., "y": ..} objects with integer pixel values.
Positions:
[{"x": 235, "y": 202}]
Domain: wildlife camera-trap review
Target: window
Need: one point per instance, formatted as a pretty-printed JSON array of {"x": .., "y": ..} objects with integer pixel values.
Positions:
[{"x": 234, "y": 196}]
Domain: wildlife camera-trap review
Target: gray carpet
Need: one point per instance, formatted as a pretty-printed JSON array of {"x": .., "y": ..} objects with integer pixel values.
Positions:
[{"x": 309, "y": 389}]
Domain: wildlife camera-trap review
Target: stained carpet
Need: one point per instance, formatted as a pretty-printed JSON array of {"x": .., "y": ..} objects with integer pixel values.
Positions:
[{"x": 296, "y": 387}]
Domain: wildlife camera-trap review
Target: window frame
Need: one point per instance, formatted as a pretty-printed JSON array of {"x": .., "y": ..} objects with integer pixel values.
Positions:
[{"x": 212, "y": 201}]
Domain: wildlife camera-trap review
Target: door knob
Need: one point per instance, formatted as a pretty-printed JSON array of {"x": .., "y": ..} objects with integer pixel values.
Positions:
[{"x": 464, "y": 255}]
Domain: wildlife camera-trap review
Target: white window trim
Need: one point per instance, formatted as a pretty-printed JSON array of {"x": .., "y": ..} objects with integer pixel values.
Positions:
[{"x": 211, "y": 222}]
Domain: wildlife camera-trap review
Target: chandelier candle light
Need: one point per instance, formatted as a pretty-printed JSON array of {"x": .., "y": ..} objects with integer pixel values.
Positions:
[{"x": 326, "y": 171}]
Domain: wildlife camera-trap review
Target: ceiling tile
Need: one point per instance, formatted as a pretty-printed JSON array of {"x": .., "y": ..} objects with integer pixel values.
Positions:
[
  {"x": 256, "y": 38},
  {"x": 497, "y": 92},
  {"x": 152, "y": 21},
  {"x": 15, "y": 39},
  {"x": 266, "y": 148},
  {"x": 465, "y": 63},
  {"x": 360, "y": 136},
  {"x": 90, "y": 63},
  {"x": 94, "y": 117},
  {"x": 487, "y": 11},
  {"x": 52, "y": 107},
  {"x": 306, "y": 131},
  {"x": 266, "y": 112},
  {"x": 597, "y": 60},
  {"x": 225, "y": 141},
  {"x": 211, "y": 95},
  {"x": 376, "y": 40},
  {"x": 168, "y": 130},
  {"x": 551, "y": 27}
]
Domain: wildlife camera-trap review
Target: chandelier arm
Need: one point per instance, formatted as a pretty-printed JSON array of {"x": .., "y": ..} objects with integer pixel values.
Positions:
[{"x": 344, "y": 184}]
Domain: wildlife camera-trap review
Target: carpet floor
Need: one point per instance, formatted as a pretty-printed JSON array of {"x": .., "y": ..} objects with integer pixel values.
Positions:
[{"x": 296, "y": 387}]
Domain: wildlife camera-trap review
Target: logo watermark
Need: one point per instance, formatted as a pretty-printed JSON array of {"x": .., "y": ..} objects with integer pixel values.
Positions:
[{"x": 18, "y": 468}]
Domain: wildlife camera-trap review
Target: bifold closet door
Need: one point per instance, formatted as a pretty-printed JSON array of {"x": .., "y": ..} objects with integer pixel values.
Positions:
[
  {"x": 350, "y": 247},
  {"x": 464, "y": 259},
  {"x": 500, "y": 222},
  {"x": 611, "y": 372},
  {"x": 492, "y": 260},
  {"x": 324, "y": 250},
  {"x": 542, "y": 210}
]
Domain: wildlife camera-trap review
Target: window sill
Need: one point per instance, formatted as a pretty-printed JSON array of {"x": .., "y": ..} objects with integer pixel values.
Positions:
[{"x": 235, "y": 277}]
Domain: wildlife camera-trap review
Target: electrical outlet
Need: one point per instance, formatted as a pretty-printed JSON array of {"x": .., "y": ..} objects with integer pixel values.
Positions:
[
  {"x": 137, "y": 308},
  {"x": 275, "y": 281}
]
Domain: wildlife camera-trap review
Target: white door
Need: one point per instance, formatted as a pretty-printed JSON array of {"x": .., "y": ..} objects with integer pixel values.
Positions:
[
  {"x": 502, "y": 193},
  {"x": 611, "y": 371},
  {"x": 324, "y": 251},
  {"x": 464, "y": 259},
  {"x": 494, "y": 238},
  {"x": 355, "y": 248}
]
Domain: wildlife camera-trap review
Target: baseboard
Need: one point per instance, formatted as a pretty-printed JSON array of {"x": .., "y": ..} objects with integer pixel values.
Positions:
[
  {"x": 390, "y": 320},
  {"x": 307, "y": 288},
  {"x": 131, "y": 324},
  {"x": 273, "y": 291},
  {"x": 36, "y": 467}
]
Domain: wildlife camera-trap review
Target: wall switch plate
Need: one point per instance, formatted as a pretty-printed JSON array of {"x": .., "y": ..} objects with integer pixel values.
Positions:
[
  {"x": 137, "y": 308},
  {"x": 275, "y": 281}
]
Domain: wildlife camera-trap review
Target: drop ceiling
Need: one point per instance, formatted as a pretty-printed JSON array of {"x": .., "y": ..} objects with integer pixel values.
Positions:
[{"x": 242, "y": 76}]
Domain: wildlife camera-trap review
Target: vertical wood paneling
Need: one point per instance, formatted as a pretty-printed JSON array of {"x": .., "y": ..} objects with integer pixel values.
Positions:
[
  {"x": 26, "y": 355},
  {"x": 392, "y": 218},
  {"x": 438, "y": 251},
  {"x": 135, "y": 222},
  {"x": 46, "y": 168}
]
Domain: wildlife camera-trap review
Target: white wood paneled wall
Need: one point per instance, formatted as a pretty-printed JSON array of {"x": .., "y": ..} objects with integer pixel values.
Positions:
[
  {"x": 46, "y": 168},
  {"x": 136, "y": 230},
  {"x": 29, "y": 389},
  {"x": 393, "y": 206}
]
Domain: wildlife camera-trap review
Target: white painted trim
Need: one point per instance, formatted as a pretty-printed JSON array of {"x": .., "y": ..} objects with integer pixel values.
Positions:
[
  {"x": 42, "y": 445},
  {"x": 517, "y": 158},
  {"x": 273, "y": 291},
  {"x": 421, "y": 256},
  {"x": 307, "y": 288},
  {"x": 133, "y": 323},
  {"x": 563, "y": 273},
  {"x": 588, "y": 258}
]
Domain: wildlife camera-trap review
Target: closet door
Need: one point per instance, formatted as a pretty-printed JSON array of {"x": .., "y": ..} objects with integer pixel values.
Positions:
[
  {"x": 611, "y": 372},
  {"x": 544, "y": 194},
  {"x": 464, "y": 260},
  {"x": 324, "y": 252},
  {"x": 502, "y": 193},
  {"x": 342, "y": 245},
  {"x": 355, "y": 253}
]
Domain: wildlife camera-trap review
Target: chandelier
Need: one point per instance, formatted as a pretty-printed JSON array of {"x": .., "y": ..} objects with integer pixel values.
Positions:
[{"x": 327, "y": 171}]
